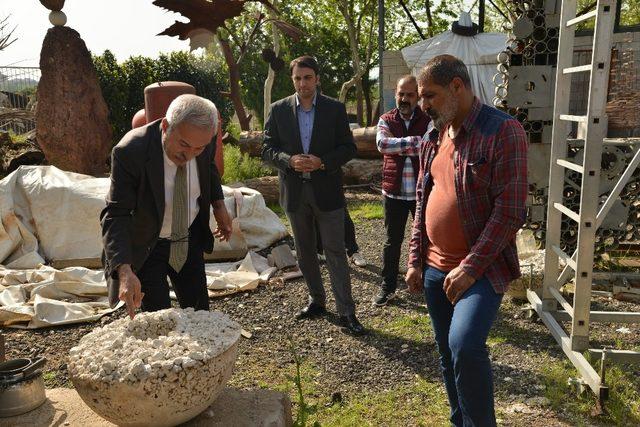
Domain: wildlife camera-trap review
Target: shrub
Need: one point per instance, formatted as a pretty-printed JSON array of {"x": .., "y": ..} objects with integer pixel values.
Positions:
[
  {"x": 239, "y": 166},
  {"x": 123, "y": 84}
]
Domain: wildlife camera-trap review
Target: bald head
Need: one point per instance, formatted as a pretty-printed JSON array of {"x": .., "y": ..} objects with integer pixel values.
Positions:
[{"x": 406, "y": 95}]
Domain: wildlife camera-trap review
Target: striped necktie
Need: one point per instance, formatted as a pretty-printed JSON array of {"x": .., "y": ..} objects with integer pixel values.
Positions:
[{"x": 179, "y": 222}]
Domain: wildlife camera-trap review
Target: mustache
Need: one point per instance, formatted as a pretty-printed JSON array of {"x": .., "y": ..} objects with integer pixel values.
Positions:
[{"x": 404, "y": 104}]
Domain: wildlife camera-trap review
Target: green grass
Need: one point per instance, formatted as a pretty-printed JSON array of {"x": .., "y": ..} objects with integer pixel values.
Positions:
[
  {"x": 422, "y": 403},
  {"x": 414, "y": 327},
  {"x": 366, "y": 210},
  {"x": 239, "y": 166},
  {"x": 622, "y": 407}
]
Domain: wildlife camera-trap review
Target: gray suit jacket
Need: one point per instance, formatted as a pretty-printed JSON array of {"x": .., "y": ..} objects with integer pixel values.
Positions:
[
  {"x": 132, "y": 218},
  {"x": 331, "y": 140}
]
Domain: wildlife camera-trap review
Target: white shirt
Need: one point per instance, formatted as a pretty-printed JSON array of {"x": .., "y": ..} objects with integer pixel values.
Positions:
[{"x": 193, "y": 190}]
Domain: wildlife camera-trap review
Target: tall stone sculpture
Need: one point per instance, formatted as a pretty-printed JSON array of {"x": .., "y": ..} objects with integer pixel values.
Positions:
[{"x": 72, "y": 128}]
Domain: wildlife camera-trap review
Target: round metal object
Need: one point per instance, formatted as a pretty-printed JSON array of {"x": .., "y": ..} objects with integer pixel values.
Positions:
[
  {"x": 21, "y": 386},
  {"x": 539, "y": 34},
  {"x": 499, "y": 79},
  {"x": 503, "y": 57},
  {"x": 501, "y": 92},
  {"x": 522, "y": 27}
]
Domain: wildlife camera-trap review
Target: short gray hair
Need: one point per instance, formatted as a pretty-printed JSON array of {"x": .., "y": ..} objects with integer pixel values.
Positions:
[
  {"x": 194, "y": 110},
  {"x": 442, "y": 69}
]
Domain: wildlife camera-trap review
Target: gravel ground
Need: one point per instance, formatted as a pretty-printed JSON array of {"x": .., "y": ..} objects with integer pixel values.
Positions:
[{"x": 379, "y": 361}]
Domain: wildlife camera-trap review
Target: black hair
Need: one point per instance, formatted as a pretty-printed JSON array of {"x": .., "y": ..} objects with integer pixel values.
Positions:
[{"x": 305, "y": 62}]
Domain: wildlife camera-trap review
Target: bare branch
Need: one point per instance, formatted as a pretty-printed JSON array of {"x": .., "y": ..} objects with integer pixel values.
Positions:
[{"x": 7, "y": 39}]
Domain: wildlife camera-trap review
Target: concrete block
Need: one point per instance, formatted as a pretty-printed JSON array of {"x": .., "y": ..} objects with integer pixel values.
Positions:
[
  {"x": 234, "y": 407},
  {"x": 392, "y": 54}
]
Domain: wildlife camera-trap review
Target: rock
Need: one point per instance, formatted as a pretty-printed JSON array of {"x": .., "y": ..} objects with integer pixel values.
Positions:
[
  {"x": 283, "y": 257},
  {"x": 53, "y": 5},
  {"x": 72, "y": 127},
  {"x": 30, "y": 157}
]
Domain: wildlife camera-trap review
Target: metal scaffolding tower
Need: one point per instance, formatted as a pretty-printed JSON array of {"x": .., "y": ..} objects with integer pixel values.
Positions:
[{"x": 591, "y": 212}]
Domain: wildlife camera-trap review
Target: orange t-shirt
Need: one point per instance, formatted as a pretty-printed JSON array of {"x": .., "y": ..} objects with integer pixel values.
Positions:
[{"x": 447, "y": 243}]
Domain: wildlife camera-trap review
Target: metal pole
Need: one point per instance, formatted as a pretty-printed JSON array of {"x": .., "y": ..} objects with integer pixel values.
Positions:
[
  {"x": 380, "y": 52},
  {"x": 481, "y": 16}
]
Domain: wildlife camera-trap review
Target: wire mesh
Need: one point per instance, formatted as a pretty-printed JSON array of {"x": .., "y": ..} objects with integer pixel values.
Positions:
[{"x": 18, "y": 93}]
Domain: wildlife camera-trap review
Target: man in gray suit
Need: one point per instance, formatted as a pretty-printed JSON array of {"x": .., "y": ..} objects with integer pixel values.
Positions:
[
  {"x": 307, "y": 138},
  {"x": 156, "y": 222}
]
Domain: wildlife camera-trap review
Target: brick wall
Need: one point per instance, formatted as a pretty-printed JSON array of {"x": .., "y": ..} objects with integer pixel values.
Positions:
[
  {"x": 623, "y": 99},
  {"x": 393, "y": 67}
]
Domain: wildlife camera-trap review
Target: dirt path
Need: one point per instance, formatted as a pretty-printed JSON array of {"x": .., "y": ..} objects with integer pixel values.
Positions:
[{"x": 367, "y": 375}]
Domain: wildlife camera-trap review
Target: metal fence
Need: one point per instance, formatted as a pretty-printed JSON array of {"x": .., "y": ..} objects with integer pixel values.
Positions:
[{"x": 18, "y": 92}]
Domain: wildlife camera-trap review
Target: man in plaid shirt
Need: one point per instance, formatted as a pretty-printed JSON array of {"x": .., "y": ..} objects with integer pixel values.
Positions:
[
  {"x": 399, "y": 137},
  {"x": 470, "y": 203}
]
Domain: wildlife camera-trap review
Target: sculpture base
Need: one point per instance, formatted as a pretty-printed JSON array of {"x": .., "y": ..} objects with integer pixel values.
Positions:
[{"x": 233, "y": 407}]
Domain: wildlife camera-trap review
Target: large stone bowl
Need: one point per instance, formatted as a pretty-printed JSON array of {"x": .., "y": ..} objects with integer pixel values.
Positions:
[{"x": 158, "y": 394}]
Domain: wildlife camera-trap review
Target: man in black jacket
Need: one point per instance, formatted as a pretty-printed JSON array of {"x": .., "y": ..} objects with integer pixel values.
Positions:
[
  {"x": 307, "y": 138},
  {"x": 156, "y": 222}
]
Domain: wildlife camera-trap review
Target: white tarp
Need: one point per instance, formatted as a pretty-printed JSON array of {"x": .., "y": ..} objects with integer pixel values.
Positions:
[
  {"x": 48, "y": 214},
  {"x": 478, "y": 52},
  {"x": 44, "y": 296}
]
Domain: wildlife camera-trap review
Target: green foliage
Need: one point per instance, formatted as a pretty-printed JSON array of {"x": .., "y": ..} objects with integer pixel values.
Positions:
[
  {"x": 123, "y": 84},
  {"x": 239, "y": 166},
  {"x": 623, "y": 405},
  {"x": 630, "y": 13},
  {"x": 305, "y": 410},
  {"x": 423, "y": 403}
]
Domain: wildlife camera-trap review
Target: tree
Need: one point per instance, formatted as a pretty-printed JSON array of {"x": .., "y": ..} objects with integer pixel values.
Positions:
[
  {"x": 271, "y": 76},
  {"x": 6, "y": 35},
  {"x": 218, "y": 19}
]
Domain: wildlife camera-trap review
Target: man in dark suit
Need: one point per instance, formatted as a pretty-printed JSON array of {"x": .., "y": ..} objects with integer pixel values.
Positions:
[
  {"x": 156, "y": 222},
  {"x": 307, "y": 138}
]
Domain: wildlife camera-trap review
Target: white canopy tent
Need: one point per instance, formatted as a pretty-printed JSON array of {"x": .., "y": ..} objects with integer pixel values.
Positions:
[{"x": 478, "y": 52}]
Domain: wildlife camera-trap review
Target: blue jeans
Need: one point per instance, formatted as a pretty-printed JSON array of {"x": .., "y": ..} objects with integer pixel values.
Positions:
[{"x": 461, "y": 333}]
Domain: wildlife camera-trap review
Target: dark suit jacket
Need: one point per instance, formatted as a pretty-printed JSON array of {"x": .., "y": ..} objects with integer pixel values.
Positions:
[
  {"x": 132, "y": 219},
  {"x": 331, "y": 140}
]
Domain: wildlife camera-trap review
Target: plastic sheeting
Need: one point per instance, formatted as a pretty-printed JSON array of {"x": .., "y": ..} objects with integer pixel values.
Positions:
[
  {"x": 42, "y": 297},
  {"x": 479, "y": 53},
  {"x": 48, "y": 214}
]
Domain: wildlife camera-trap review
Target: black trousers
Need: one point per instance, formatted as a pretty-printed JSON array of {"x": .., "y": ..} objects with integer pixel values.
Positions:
[
  {"x": 396, "y": 213},
  {"x": 190, "y": 284},
  {"x": 349, "y": 235}
]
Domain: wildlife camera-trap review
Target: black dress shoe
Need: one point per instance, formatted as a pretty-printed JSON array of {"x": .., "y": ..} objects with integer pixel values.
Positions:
[
  {"x": 312, "y": 310},
  {"x": 352, "y": 324}
]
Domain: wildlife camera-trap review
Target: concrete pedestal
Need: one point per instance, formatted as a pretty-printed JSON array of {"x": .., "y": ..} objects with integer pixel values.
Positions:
[{"x": 239, "y": 408}]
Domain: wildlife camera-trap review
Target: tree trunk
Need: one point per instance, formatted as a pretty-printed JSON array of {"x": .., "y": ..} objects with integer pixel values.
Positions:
[
  {"x": 342, "y": 97},
  {"x": 360, "y": 102},
  {"x": 366, "y": 88},
  {"x": 427, "y": 6},
  {"x": 355, "y": 58},
  {"x": 271, "y": 75},
  {"x": 234, "y": 84}
]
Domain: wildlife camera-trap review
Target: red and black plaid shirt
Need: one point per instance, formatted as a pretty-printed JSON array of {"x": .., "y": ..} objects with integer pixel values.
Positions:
[{"x": 490, "y": 161}]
